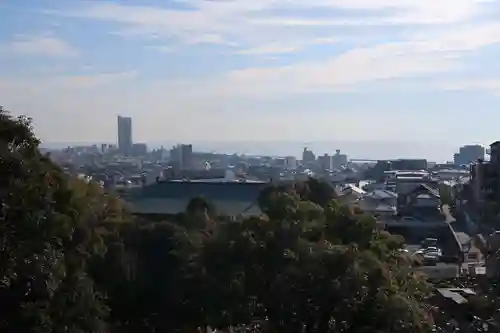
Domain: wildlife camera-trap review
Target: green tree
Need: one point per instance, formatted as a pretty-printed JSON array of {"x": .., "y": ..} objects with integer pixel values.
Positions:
[
  {"x": 200, "y": 214},
  {"x": 316, "y": 190},
  {"x": 312, "y": 269},
  {"x": 446, "y": 194},
  {"x": 48, "y": 231}
]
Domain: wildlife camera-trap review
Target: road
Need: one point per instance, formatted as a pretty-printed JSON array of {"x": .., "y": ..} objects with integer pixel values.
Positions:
[
  {"x": 463, "y": 237},
  {"x": 447, "y": 212},
  {"x": 440, "y": 271},
  {"x": 445, "y": 270}
]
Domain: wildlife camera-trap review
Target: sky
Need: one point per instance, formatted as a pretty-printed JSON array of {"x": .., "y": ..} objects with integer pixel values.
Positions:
[{"x": 363, "y": 71}]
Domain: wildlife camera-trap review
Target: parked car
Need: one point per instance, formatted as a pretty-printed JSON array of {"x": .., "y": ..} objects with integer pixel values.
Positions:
[{"x": 430, "y": 255}]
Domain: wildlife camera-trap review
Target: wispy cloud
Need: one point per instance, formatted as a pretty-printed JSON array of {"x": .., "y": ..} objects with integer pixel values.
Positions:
[
  {"x": 229, "y": 18},
  {"x": 382, "y": 12},
  {"x": 40, "y": 46},
  {"x": 261, "y": 27},
  {"x": 75, "y": 84},
  {"x": 274, "y": 48},
  {"x": 281, "y": 47},
  {"x": 441, "y": 33},
  {"x": 415, "y": 57},
  {"x": 491, "y": 85}
]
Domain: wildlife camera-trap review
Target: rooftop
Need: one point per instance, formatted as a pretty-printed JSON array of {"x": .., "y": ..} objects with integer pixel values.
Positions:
[
  {"x": 381, "y": 194},
  {"x": 172, "y": 197},
  {"x": 245, "y": 191}
]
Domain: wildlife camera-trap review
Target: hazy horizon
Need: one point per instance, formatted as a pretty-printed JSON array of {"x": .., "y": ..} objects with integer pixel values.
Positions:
[{"x": 440, "y": 152}]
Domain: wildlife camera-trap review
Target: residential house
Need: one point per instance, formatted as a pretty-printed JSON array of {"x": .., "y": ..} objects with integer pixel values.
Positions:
[
  {"x": 349, "y": 194},
  {"x": 379, "y": 203},
  {"x": 422, "y": 200},
  {"x": 406, "y": 182}
]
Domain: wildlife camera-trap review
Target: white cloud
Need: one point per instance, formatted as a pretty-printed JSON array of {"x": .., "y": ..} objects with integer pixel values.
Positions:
[
  {"x": 273, "y": 48},
  {"x": 72, "y": 83},
  {"x": 382, "y": 12},
  {"x": 285, "y": 47},
  {"x": 492, "y": 85},
  {"x": 248, "y": 23},
  {"x": 436, "y": 48},
  {"x": 96, "y": 81},
  {"x": 412, "y": 58},
  {"x": 441, "y": 31},
  {"x": 40, "y": 46}
]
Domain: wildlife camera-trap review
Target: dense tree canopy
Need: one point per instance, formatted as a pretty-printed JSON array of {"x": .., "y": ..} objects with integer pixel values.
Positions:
[
  {"x": 72, "y": 260},
  {"x": 49, "y": 227}
]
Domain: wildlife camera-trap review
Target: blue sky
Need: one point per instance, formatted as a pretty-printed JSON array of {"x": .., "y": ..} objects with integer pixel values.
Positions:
[{"x": 255, "y": 70}]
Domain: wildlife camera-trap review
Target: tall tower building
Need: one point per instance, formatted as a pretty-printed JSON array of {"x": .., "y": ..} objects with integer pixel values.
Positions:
[
  {"x": 182, "y": 156},
  {"x": 125, "y": 135}
]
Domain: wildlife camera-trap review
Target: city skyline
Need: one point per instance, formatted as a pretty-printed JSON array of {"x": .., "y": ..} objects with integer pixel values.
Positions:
[
  {"x": 355, "y": 150},
  {"x": 263, "y": 70}
]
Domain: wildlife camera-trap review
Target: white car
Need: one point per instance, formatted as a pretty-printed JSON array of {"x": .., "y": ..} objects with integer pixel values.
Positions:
[
  {"x": 430, "y": 251},
  {"x": 434, "y": 250},
  {"x": 430, "y": 255}
]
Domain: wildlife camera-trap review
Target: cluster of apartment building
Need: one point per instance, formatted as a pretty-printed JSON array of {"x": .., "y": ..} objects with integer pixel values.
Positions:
[{"x": 325, "y": 161}]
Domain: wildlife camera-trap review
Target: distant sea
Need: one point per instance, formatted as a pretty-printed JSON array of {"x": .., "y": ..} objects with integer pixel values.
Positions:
[{"x": 432, "y": 151}]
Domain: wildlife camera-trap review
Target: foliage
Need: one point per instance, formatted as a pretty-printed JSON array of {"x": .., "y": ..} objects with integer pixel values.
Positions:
[
  {"x": 327, "y": 271},
  {"x": 446, "y": 194},
  {"x": 49, "y": 228}
]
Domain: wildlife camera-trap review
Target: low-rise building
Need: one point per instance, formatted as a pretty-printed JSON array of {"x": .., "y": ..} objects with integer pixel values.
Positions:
[
  {"x": 350, "y": 194},
  {"x": 422, "y": 200},
  {"x": 172, "y": 197}
]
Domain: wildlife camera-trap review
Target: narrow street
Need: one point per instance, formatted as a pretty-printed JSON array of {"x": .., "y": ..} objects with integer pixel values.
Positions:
[{"x": 474, "y": 255}]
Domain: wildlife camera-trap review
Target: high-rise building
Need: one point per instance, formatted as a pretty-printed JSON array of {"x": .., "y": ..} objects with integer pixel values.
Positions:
[
  {"x": 125, "y": 135},
  {"x": 469, "y": 154},
  {"x": 325, "y": 162},
  {"x": 308, "y": 156},
  {"x": 181, "y": 157},
  {"x": 187, "y": 156},
  {"x": 338, "y": 160}
]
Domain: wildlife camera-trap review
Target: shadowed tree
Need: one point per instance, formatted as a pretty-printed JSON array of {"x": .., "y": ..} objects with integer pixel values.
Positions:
[{"x": 48, "y": 231}]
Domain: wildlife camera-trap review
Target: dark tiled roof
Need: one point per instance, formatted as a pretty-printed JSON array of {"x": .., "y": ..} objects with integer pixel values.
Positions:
[
  {"x": 381, "y": 194},
  {"x": 429, "y": 189},
  {"x": 424, "y": 188},
  {"x": 175, "y": 206},
  {"x": 212, "y": 191},
  {"x": 173, "y": 197}
]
